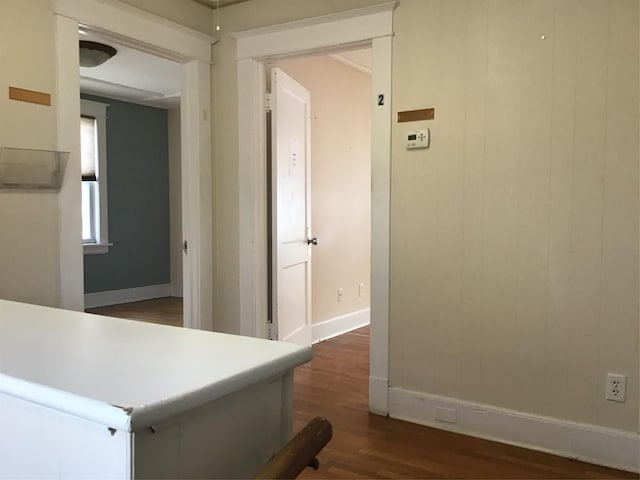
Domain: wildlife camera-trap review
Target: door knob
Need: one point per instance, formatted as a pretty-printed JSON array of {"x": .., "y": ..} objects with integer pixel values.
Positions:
[{"x": 312, "y": 241}]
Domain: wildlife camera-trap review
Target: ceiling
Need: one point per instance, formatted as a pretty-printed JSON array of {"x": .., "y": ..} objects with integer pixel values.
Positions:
[
  {"x": 359, "y": 59},
  {"x": 133, "y": 76}
]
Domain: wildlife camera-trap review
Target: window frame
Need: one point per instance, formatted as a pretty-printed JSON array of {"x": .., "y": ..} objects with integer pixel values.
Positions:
[
  {"x": 98, "y": 111},
  {"x": 90, "y": 187}
]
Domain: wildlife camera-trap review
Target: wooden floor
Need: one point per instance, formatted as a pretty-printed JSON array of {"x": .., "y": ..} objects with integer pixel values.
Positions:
[
  {"x": 335, "y": 385},
  {"x": 166, "y": 311}
]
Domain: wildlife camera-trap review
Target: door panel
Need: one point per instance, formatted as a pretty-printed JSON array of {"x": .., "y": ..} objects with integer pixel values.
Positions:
[
  {"x": 292, "y": 303},
  {"x": 291, "y": 212},
  {"x": 292, "y": 178}
]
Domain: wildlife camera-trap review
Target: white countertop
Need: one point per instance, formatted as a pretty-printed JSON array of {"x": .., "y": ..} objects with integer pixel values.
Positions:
[{"x": 127, "y": 374}]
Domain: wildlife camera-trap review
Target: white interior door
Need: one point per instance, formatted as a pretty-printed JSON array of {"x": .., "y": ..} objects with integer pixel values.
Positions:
[{"x": 291, "y": 210}]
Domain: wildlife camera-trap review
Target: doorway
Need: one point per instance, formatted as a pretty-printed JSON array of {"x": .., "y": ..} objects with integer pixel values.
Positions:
[
  {"x": 139, "y": 256},
  {"x": 192, "y": 50},
  {"x": 371, "y": 25},
  {"x": 339, "y": 85}
]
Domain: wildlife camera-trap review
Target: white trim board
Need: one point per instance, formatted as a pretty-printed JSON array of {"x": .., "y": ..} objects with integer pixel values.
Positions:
[
  {"x": 340, "y": 325},
  {"x": 580, "y": 441},
  {"x": 310, "y": 34},
  {"x": 126, "y": 295},
  {"x": 378, "y": 395}
]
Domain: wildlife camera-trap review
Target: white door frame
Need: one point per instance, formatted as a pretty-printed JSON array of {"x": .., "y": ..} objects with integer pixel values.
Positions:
[
  {"x": 374, "y": 26},
  {"x": 144, "y": 31}
]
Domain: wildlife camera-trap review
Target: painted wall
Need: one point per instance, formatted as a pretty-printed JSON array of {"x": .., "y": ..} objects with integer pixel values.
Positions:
[
  {"x": 29, "y": 222},
  {"x": 175, "y": 200},
  {"x": 515, "y": 277},
  {"x": 138, "y": 198},
  {"x": 184, "y": 12},
  {"x": 515, "y": 237},
  {"x": 340, "y": 182}
]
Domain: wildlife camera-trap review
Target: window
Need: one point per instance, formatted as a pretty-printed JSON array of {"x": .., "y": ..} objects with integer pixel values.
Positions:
[{"x": 93, "y": 160}]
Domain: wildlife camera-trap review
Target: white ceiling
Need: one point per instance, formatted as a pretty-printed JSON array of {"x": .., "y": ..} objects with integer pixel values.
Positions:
[
  {"x": 133, "y": 76},
  {"x": 359, "y": 59}
]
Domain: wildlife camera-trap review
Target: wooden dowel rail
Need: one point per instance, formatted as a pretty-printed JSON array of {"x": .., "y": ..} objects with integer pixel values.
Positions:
[{"x": 300, "y": 452}]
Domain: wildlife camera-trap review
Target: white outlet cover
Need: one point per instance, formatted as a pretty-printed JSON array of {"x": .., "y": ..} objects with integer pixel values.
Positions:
[{"x": 616, "y": 387}]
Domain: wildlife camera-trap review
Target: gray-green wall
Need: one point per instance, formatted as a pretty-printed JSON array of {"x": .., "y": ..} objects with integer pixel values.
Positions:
[{"x": 138, "y": 199}]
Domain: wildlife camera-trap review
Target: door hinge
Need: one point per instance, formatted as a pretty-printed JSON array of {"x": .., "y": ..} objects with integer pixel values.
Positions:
[
  {"x": 272, "y": 331},
  {"x": 268, "y": 98},
  {"x": 185, "y": 247}
]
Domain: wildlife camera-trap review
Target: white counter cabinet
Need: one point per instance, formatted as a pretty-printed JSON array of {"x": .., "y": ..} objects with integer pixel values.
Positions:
[{"x": 83, "y": 396}]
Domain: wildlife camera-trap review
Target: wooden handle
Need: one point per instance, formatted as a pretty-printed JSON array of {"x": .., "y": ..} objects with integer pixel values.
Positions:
[{"x": 300, "y": 452}]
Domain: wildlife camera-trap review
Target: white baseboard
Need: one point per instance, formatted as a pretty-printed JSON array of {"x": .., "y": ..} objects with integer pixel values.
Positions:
[
  {"x": 340, "y": 325},
  {"x": 589, "y": 443},
  {"x": 127, "y": 295}
]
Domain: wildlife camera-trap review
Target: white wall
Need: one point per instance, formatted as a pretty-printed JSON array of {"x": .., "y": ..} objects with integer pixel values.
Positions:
[
  {"x": 175, "y": 200},
  {"x": 515, "y": 237},
  {"x": 184, "y": 12},
  {"x": 340, "y": 182},
  {"x": 29, "y": 222}
]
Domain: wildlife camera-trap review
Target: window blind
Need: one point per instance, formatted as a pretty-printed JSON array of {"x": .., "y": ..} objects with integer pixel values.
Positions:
[{"x": 89, "y": 149}]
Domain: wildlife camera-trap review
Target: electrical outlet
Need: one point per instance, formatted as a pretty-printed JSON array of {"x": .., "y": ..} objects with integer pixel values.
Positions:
[
  {"x": 616, "y": 387},
  {"x": 339, "y": 295},
  {"x": 361, "y": 290}
]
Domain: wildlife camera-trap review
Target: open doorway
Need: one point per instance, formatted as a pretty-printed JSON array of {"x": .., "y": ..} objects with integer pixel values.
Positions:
[
  {"x": 132, "y": 226},
  {"x": 339, "y": 86},
  {"x": 367, "y": 26},
  {"x": 192, "y": 51}
]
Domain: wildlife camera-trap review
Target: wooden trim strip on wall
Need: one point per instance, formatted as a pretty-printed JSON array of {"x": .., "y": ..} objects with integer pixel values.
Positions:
[
  {"x": 30, "y": 96},
  {"x": 415, "y": 115}
]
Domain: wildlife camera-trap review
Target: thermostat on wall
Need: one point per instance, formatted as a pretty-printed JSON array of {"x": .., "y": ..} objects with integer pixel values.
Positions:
[{"x": 418, "y": 139}]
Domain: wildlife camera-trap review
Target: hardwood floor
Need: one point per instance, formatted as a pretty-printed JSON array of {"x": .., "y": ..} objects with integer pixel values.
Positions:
[
  {"x": 166, "y": 311},
  {"x": 335, "y": 385}
]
